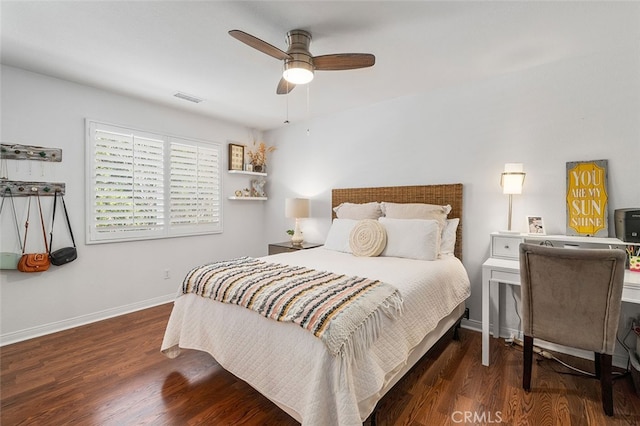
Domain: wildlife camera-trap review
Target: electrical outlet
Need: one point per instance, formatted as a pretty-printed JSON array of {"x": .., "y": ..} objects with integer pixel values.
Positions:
[{"x": 167, "y": 274}]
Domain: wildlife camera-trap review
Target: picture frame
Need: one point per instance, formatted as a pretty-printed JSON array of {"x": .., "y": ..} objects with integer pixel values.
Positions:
[
  {"x": 587, "y": 198},
  {"x": 257, "y": 188},
  {"x": 535, "y": 225},
  {"x": 236, "y": 157}
]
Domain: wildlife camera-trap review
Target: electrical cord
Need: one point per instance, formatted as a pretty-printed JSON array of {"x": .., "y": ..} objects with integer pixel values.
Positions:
[
  {"x": 629, "y": 350},
  {"x": 515, "y": 304},
  {"x": 548, "y": 355},
  {"x": 624, "y": 340}
]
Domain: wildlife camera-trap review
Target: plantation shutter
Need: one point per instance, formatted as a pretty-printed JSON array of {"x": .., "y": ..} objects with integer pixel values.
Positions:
[
  {"x": 195, "y": 186},
  {"x": 142, "y": 185}
]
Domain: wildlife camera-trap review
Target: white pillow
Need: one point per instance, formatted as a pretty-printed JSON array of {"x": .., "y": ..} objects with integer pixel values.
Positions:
[
  {"x": 338, "y": 237},
  {"x": 412, "y": 238},
  {"x": 368, "y": 238},
  {"x": 358, "y": 211},
  {"x": 448, "y": 241},
  {"x": 416, "y": 211}
]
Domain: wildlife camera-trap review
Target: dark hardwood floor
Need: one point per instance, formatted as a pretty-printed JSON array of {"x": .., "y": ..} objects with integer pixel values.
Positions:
[{"x": 112, "y": 373}]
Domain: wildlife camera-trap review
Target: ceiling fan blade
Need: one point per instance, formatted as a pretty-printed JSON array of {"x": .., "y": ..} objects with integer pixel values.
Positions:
[
  {"x": 284, "y": 87},
  {"x": 343, "y": 61},
  {"x": 258, "y": 44}
]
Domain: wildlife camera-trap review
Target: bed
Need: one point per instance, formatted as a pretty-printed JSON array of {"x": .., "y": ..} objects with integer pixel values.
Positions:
[{"x": 293, "y": 368}]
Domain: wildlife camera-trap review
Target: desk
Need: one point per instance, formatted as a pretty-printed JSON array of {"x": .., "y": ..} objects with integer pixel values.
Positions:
[{"x": 503, "y": 267}]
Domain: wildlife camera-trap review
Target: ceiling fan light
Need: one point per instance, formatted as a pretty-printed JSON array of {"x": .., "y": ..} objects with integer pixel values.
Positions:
[
  {"x": 298, "y": 75},
  {"x": 298, "y": 72}
]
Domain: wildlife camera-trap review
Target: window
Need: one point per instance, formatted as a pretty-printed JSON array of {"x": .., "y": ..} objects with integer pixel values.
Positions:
[{"x": 142, "y": 185}]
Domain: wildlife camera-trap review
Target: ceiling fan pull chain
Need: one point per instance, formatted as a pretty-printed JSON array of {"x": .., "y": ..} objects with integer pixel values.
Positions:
[
  {"x": 286, "y": 121},
  {"x": 308, "y": 91}
]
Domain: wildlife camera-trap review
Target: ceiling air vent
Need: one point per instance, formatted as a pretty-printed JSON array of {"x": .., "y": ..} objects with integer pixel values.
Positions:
[{"x": 189, "y": 98}]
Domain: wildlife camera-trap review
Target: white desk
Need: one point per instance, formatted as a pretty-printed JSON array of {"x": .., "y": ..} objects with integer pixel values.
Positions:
[{"x": 503, "y": 268}]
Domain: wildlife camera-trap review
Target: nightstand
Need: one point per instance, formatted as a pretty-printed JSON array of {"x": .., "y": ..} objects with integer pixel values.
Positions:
[{"x": 287, "y": 246}]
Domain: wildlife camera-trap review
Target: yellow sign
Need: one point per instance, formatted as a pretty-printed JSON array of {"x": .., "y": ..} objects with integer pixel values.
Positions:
[{"x": 587, "y": 198}]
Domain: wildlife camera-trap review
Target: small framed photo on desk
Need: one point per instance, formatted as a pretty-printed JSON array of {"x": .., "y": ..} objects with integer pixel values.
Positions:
[{"x": 535, "y": 225}]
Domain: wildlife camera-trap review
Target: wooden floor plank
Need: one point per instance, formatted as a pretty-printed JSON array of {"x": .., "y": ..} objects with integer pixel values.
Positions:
[{"x": 112, "y": 373}]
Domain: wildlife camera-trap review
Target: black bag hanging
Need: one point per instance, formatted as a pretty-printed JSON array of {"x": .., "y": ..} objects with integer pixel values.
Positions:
[{"x": 65, "y": 254}]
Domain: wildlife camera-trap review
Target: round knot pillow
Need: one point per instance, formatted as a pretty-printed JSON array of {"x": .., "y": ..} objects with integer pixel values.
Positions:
[{"x": 367, "y": 238}]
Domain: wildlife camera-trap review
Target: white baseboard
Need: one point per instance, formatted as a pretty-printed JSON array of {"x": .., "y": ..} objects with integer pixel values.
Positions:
[
  {"x": 30, "y": 333},
  {"x": 472, "y": 325},
  {"x": 619, "y": 359}
]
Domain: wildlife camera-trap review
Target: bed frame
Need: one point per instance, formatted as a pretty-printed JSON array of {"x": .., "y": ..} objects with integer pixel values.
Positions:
[{"x": 429, "y": 194}]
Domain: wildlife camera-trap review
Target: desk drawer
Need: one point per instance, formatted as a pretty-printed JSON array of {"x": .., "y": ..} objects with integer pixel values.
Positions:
[
  {"x": 506, "y": 277},
  {"x": 505, "y": 247}
]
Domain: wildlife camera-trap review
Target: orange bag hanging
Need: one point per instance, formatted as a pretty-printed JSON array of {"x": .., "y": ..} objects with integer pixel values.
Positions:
[{"x": 34, "y": 262}]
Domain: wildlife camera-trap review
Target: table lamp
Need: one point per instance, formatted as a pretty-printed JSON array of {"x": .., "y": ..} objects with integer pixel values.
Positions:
[
  {"x": 296, "y": 208},
  {"x": 511, "y": 181}
]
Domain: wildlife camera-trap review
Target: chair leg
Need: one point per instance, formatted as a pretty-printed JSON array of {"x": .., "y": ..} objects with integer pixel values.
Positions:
[
  {"x": 597, "y": 361},
  {"x": 606, "y": 381},
  {"x": 527, "y": 362}
]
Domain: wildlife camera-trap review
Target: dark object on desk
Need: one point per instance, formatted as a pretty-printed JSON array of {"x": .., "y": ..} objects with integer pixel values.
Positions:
[
  {"x": 572, "y": 297},
  {"x": 627, "y": 223}
]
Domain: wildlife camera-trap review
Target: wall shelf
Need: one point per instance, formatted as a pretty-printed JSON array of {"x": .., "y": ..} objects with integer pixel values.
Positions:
[
  {"x": 249, "y": 198},
  {"x": 242, "y": 172},
  {"x": 256, "y": 185}
]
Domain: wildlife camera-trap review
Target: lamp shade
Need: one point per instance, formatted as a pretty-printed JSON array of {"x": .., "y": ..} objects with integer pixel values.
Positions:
[
  {"x": 512, "y": 178},
  {"x": 296, "y": 208}
]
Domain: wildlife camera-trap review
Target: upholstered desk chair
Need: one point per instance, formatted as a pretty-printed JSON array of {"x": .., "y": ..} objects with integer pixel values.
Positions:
[{"x": 572, "y": 297}]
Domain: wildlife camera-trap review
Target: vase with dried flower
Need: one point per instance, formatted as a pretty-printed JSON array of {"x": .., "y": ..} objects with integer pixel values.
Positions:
[{"x": 258, "y": 156}]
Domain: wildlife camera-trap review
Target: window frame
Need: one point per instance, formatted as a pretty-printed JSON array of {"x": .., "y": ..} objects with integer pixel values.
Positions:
[{"x": 213, "y": 198}]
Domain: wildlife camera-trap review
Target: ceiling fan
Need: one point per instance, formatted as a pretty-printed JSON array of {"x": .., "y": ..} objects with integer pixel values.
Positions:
[{"x": 299, "y": 65}]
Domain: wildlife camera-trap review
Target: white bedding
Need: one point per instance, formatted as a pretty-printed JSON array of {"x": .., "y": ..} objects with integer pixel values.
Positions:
[{"x": 290, "y": 366}]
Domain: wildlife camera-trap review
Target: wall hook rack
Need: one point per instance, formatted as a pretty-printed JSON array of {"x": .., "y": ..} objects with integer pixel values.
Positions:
[
  {"x": 19, "y": 188},
  {"x": 29, "y": 152}
]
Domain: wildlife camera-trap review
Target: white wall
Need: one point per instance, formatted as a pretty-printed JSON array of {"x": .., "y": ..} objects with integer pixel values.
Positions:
[
  {"x": 106, "y": 279},
  {"x": 583, "y": 109},
  {"x": 587, "y": 108}
]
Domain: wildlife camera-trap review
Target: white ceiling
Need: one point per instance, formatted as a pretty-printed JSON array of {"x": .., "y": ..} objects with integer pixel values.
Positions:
[{"x": 153, "y": 49}]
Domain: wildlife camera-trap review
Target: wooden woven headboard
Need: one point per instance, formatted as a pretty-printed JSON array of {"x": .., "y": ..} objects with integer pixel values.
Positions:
[{"x": 429, "y": 194}]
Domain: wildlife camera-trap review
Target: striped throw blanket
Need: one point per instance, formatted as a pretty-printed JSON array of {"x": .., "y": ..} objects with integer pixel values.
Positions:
[{"x": 344, "y": 312}]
